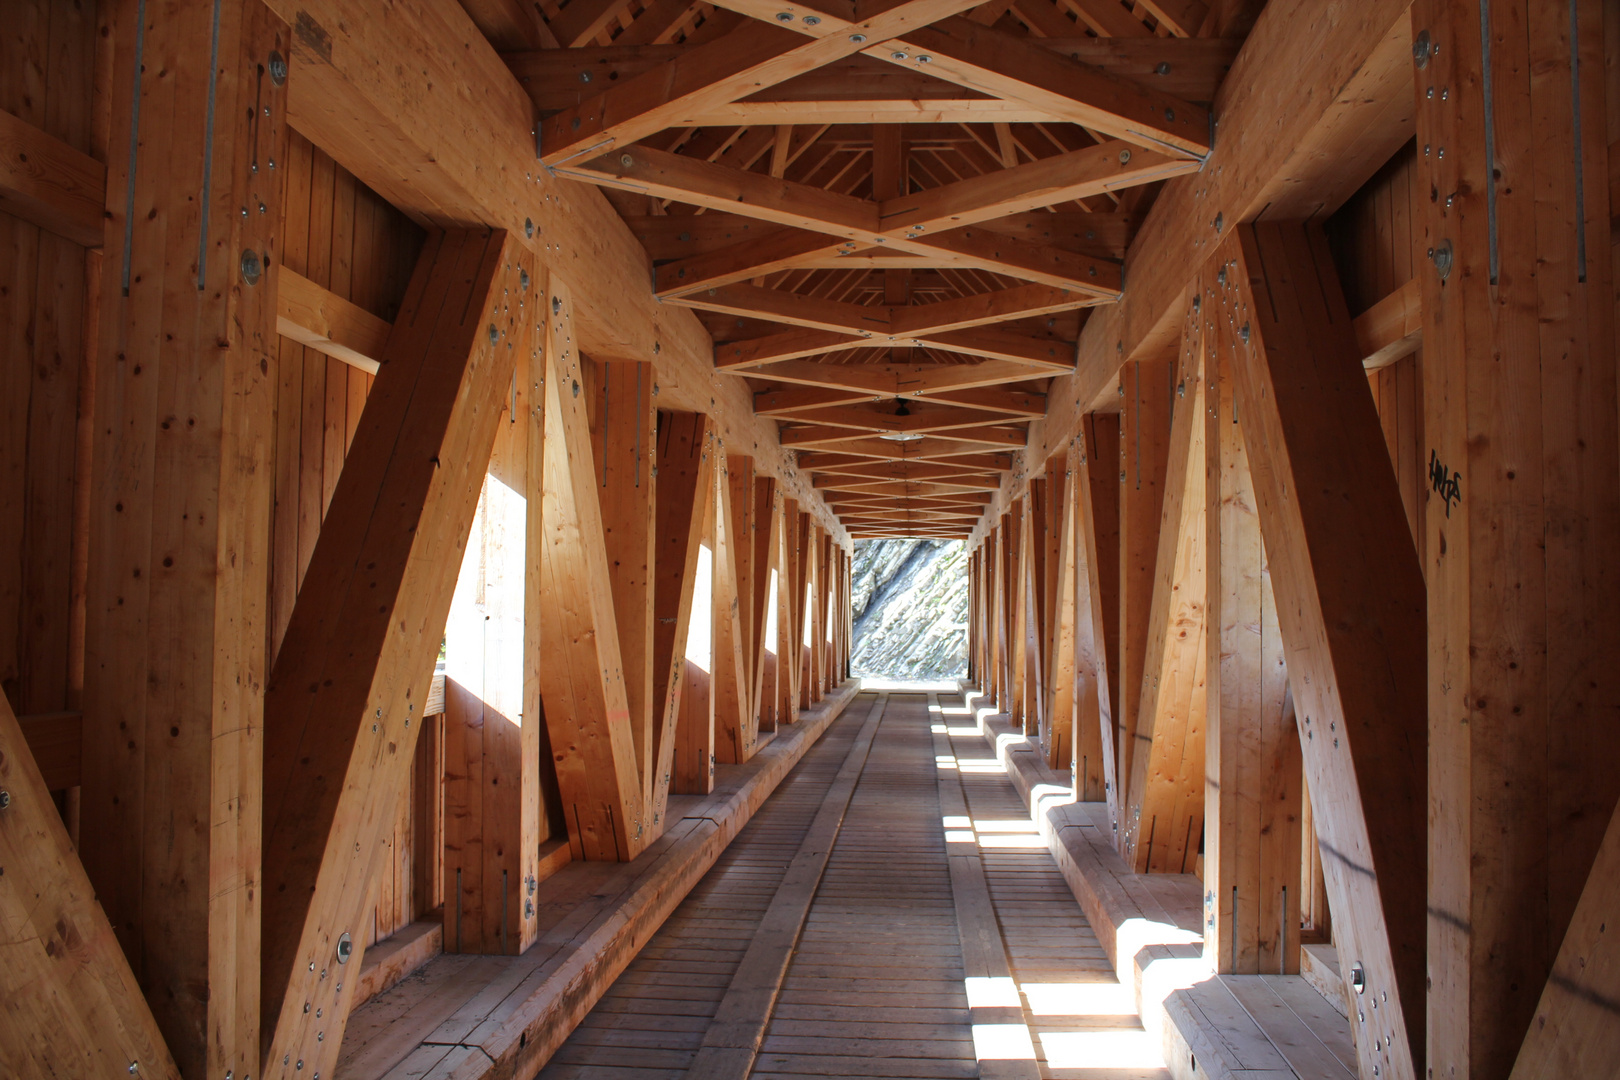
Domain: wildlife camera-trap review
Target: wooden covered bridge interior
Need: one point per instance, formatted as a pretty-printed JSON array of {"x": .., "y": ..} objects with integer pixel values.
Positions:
[{"x": 435, "y": 436}]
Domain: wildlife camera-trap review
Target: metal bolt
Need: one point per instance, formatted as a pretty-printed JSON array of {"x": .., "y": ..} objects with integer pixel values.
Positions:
[
  {"x": 900, "y": 56},
  {"x": 584, "y": 76},
  {"x": 251, "y": 268},
  {"x": 1421, "y": 50},
  {"x": 278, "y": 75},
  {"x": 134, "y": 1066},
  {"x": 857, "y": 38},
  {"x": 626, "y": 160},
  {"x": 925, "y": 59},
  {"x": 1124, "y": 157},
  {"x": 494, "y": 334},
  {"x": 1445, "y": 92},
  {"x": 5, "y": 799},
  {"x": 556, "y": 304},
  {"x": 1244, "y": 333},
  {"x": 528, "y": 228},
  {"x": 1170, "y": 114},
  {"x": 812, "y": 20},
  {"x": 784, "y": 16},
  {"x": 1219, "y": 221},
  {"x": 1162, "y": 69},
  {"x": 1443, "y": 259},
  {"x": 523, "y": 280},
  {"x": 345, "y": 949}
]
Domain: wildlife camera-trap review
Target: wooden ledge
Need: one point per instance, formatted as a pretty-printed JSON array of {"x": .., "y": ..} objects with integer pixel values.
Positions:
[
  {"x": 1225, "y": 1027},
  {"x": 475, "y": 1016}
]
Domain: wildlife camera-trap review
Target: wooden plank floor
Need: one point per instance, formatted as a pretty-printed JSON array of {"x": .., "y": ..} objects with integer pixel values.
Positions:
[{"x": 875, "y": 987}]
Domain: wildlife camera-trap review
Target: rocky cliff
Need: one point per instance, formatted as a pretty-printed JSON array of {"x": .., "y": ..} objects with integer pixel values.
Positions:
[{"x": 910, "y": 604}]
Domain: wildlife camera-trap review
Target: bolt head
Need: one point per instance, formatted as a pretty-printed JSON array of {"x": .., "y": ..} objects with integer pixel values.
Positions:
[
  {"x": 784, "y": 16},
  {"x": 812, "y": 20},
  {"x": 626, "y": 160},
  {"x": 252, "y": 269},
  {"x": 899, "y": 56},
  {"x": 277, "y": 66}
]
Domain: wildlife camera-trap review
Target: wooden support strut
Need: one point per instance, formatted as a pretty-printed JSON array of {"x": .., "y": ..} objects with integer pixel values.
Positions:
[
  {"x": 69, "y": 1003},
  {"x": 1350, "y": 603},
  {"x": 344, "y": 705},
  {"x": 583, "y": 686},
  {"x": 1164, "y": 799}
]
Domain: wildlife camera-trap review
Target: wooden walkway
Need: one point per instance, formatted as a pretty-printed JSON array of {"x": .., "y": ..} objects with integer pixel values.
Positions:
[{"x": 828, "y": 940}]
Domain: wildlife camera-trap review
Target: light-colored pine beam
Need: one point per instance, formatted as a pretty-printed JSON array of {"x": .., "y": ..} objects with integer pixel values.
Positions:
[
  {"x": 69, "y": 1003},
  {"x": 345, "y": 699},
  {"x": 1350, "y": 601}
]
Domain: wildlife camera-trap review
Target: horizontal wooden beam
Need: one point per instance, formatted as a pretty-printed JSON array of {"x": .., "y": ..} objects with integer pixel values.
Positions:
[
  {"x": 1392, "y": 328},
  {"x": 561, "y": 79},
  {"x": 322, "y": 320},
  {"x": 48, "y": 182}
]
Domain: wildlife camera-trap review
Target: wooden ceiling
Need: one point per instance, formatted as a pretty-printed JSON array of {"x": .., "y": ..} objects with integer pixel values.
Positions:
[{"x": 893, "y": 217}]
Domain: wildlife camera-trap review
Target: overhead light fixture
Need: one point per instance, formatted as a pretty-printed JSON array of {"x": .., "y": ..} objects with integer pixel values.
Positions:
[{"x": 901, "y": 436}]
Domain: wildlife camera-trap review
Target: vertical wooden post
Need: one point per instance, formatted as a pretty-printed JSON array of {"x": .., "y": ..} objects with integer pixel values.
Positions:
[
  {"x": 586, "y": 699},
  {"x": 495, "y": 748},
  {"x": 694, "y": 731},
  {"x": 1146, "y": 391},
  {"x": 685, "y": 481},
  {"x": 1164, "y": 795},
  {"x": 1096, "y": 497},
  {"x": 180, "y": 492},
  {"x": 624, "y": 437},
  {"x": 787, "y": 619},
  {"x": 733, "y": 724},
  {"x": 1253, "y": 773},
  {"x": 1523, "y": 509}
]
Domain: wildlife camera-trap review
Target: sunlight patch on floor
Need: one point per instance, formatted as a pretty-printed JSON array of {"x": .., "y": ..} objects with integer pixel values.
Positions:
[{"x": 1099, "y": 1050}]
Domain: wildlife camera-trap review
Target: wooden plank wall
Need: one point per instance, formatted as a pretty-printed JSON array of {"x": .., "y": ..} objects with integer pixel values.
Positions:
[
  {"x": 341, "y": 235},
  {"x": 1373, "y": 244},
  {"x": 47, "y": 80}
]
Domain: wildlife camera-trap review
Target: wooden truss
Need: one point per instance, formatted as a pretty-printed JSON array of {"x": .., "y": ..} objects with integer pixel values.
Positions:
[{"x": 894, "y": 221}]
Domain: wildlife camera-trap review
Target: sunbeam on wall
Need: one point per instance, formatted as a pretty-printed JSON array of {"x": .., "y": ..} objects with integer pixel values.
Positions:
[{"x": 909, "y": 599}]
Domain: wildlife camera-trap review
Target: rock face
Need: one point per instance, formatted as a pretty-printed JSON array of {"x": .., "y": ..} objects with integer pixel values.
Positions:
[{"x": 909, "y": 599}]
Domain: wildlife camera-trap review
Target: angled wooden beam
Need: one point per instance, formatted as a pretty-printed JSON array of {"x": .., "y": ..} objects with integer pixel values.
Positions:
[
  {"x": 587, "y": 701},
  {"x": 1076, "y": 174},
  {"x": 345, "y": 698},
  {"x": 748, "y": 59},
  {"x": 69, "y": 1002},
  {"x": 921, "y": 417},
  {"x": 904, "y": 224},
  {"x": 856, "y": 465},
  {"x": 1350, "y": 601},
  {"x": 1164, "y": 802},
  {"x": 179, "y": 490},
  {"x": 1287, "y": 162},
  {"x": 48, "y": 182},
  {"x": 1574, "y": 1031},
  {"x": 324, "y": 321},
  {"x": 1040, "y": 354},
  {"x": 685, "y": 477},
  {"x": 1015, "y": 68}
]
